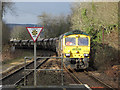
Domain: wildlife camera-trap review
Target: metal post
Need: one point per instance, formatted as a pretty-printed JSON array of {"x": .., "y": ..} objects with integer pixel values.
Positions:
[
  {"x": 62, "y": 69},
  {"x": 35, "y": 64},
  {"x": 103, "y": 44},
  {"x": 119, "y": 80},
  {"x": 103, "y": 37},
  {"x": 24, "y": 71}
]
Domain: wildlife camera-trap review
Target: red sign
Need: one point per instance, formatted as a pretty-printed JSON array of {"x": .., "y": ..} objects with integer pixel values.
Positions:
[{"x": 34, "y": 32}]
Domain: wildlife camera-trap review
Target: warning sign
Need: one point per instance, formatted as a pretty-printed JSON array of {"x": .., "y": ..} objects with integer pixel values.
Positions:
[{"x": 34, "y": 32}]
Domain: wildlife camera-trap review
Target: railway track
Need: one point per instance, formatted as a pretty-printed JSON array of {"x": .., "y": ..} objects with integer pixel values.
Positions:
[
  {"x": 70, "y": 72},
  {"x": 20, "y": 81},
  {"x": 98, "y": 80},
  {"x": 46, "y": 75},
  {"x": 16, "y": 77},
  {"x": 84, "y": 77}
]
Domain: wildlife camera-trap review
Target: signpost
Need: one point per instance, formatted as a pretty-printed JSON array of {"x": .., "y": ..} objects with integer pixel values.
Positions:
[{"x": 34, "y": 33}]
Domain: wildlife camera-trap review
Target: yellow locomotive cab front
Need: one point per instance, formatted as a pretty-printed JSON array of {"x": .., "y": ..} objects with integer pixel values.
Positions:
[{"x": 76, "y": 46}]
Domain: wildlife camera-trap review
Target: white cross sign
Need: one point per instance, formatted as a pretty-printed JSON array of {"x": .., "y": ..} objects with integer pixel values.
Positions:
[{"x": 34, "y": 32}]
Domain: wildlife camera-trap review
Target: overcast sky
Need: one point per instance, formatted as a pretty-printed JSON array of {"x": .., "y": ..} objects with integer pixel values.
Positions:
[{"x": 27, "y": 12}]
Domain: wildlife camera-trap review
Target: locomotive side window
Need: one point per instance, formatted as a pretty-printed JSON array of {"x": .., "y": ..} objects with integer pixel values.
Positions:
[
  {"x": 83, "y": 41},
  {"x": 70, "y": 41}
]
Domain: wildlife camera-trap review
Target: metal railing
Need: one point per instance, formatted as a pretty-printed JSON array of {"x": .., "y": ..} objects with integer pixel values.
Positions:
[{"x": 35, "y": 69}]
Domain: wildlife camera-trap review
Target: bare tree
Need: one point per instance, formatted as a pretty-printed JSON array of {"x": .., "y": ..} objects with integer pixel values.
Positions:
[
  {"x": 20, "y": 33},
  {"x": 5, "y": 30},
  {"x": 91, "y": 16},
  {"x": 54, "y": 26},
  {"x": 7, "y": 6}
]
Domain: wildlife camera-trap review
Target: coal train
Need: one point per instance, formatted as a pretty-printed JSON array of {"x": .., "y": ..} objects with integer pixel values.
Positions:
[
  {"x": 73, "y": 45},
  {"x": 45, "y": 44}
]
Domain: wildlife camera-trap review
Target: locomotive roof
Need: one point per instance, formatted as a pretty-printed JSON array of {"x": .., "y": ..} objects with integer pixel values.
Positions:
[{"x": 75, "y": 32}]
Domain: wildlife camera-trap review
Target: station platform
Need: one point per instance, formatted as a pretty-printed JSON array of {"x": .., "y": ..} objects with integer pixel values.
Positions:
[{"x": 70, "y": 87}]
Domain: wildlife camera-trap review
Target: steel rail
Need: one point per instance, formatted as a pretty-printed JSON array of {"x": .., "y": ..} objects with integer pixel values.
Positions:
[
  {"x": 76, "y": 79},
  {"x": 98, "y": 80},
  {"x": 22, "y": 79},
  {"x": 18, "y": 70},
  {"x": 91, "y": 76}
]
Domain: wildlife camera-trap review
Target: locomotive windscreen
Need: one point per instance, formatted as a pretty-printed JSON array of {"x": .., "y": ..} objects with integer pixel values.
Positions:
[
  {"x": 70, "y": 41},
  {"x": 82, "y": 41}
]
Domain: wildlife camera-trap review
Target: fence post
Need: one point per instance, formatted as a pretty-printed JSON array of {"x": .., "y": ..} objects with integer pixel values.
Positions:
[{"x": 62, "y": 69}]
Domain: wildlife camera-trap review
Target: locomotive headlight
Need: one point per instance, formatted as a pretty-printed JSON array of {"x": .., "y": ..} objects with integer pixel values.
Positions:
[
  {"x": 69, "y": 51},
  {"x": 86, "y": 55},
  {"x": 77, "y": 51},
  {"x": 67, "y": 55}
]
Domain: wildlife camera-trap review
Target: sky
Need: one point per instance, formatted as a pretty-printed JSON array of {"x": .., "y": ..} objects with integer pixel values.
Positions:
[{"x": 28, "y": 12}]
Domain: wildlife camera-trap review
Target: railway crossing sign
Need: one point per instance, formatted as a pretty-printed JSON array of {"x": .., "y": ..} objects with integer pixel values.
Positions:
[{"x": 34, "y": 32}]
